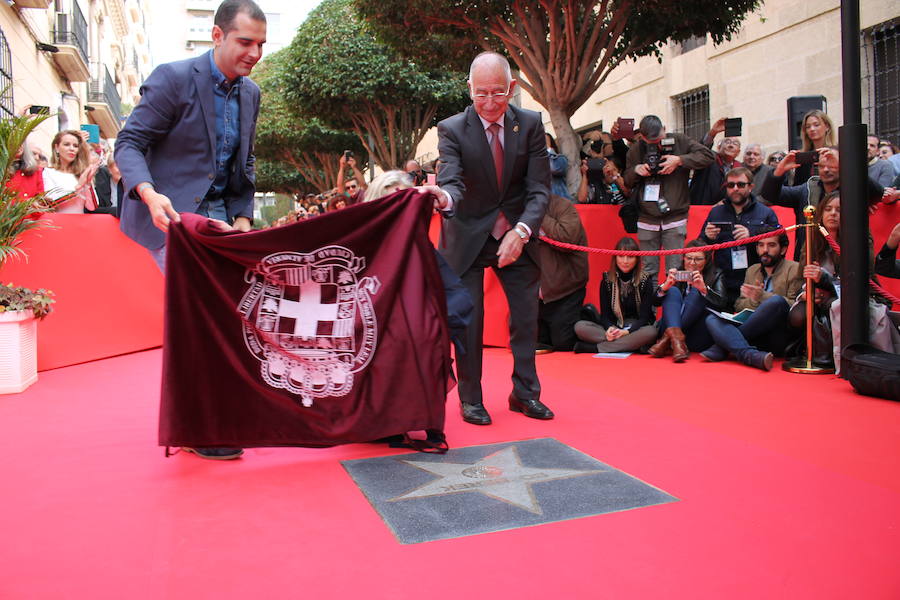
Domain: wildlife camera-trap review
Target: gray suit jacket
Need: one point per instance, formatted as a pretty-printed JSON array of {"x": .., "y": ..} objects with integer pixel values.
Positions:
[
  {"x": 467, "y": 174},
  {"x": 170, "y": 139}
]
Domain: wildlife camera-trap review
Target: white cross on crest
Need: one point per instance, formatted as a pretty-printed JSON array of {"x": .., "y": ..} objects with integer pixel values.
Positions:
[{"x": 309, "y": 310}]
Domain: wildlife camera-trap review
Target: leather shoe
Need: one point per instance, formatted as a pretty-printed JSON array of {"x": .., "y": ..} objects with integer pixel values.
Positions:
[
  {"x": 215, "y": 453},
  {"x": 475, "y": 414},
  {"x": 530, "y": 408},
  {"x": 663, "y": 346}
]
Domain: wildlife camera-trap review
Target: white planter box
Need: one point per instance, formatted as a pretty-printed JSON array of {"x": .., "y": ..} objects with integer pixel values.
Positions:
[{"x": 18, "y": 351}]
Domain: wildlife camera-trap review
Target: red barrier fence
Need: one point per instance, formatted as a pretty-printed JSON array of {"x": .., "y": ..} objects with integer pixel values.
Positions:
[{"x": 110, "y": 293}]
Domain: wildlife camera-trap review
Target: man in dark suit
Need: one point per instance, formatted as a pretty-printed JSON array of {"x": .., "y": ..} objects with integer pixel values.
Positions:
[
  {"x": 188, "y": 144},
  {"x": 495, "y": 172}
]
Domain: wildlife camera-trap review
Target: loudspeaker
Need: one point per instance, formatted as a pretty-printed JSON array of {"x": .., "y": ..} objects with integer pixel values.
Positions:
[{"x": 797, "y": 106}]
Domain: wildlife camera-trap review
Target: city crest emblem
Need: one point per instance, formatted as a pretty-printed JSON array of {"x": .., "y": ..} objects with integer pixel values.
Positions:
[{"x": 309, "y": 319}]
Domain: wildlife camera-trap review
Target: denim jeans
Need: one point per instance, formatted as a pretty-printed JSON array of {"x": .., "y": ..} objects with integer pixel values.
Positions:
[
  {"x": 766, "y": 329},
  {"x": 686, "y": 312}
]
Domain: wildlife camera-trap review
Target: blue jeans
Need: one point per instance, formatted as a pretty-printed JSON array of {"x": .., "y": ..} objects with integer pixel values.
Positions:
[
  {"x": 766, "y": 329},
  {"x": 686, "y": 312}
]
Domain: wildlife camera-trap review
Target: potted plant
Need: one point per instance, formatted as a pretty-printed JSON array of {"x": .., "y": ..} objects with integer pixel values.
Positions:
[{"x": 20, "y": 308}]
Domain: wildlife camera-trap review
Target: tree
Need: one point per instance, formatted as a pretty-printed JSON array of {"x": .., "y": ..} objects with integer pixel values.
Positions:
[
  {"x": 564, "y": 49},
  {"x": 294, "y": 154},
  {"x": 336, "y": 70}
]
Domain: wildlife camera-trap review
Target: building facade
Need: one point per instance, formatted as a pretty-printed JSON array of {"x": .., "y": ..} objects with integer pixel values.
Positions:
[
  {"x": 83, "y": 59},
  {"x": 785, "y": 49}
]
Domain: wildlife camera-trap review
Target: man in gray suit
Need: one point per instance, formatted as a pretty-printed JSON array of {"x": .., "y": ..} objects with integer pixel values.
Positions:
[
  {"x": 495, "y": 171},
  {"x": 188, "y": 144}
]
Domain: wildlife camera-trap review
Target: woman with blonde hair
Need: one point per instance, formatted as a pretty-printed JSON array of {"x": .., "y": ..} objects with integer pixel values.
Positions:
[
  {"x": 817, "y": 132},
  {"x": 72, "y": 169}
]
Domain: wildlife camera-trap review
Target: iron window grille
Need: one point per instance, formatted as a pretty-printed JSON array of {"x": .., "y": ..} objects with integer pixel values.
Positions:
[
  {"x": 881, "y": 79},
  {"x": 7, "y": 107},
  {"x": 692, "y": 113}
]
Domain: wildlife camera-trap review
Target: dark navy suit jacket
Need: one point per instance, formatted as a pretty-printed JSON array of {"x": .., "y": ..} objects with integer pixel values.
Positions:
[{"x": 170, "y": 139}]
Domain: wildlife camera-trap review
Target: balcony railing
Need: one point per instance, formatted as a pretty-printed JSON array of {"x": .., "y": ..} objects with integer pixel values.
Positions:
[
  {"x": 71, "y": 29},
  {"x": 103, "y": 90}
]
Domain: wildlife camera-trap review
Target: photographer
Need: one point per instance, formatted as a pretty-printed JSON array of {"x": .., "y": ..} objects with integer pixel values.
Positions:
[
  {"x": 354, "y": 188},
  {"x": 415, "y": 171},
  {"x": 658, "y": 166},
  {"x": 601, "y": 183}
]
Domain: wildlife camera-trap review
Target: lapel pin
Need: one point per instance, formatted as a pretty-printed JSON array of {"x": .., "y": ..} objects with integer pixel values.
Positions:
[{"x": 516, "y": 128}]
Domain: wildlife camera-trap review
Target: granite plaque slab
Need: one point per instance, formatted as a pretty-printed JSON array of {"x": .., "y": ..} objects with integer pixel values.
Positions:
[{"x": 479, "y": 489}]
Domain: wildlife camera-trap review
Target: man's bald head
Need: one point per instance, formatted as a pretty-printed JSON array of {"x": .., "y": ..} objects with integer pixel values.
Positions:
[{"x": 489, "y": 62}]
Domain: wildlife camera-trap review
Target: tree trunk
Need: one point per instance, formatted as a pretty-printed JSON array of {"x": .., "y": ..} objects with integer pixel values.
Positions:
[{"x": 569, "y": 145}]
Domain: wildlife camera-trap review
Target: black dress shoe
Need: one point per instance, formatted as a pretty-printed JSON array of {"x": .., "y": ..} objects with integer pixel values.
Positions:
[
  {"x": 589, "y": 312},
  {"x": 530, "y": 408},
  {"x": 475, "y": 414},
  {"x": 215, "y": 453}
]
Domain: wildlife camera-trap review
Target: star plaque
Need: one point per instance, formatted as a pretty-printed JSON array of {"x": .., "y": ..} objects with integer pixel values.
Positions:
[{"x": 479, "y": 489}]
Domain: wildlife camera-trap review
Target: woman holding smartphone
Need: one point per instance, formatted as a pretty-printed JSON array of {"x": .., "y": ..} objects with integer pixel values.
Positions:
[
  {"x": 685, "y": 296},
  {"x": 72, "y": 169},
  {"x": 626, "y": 308},
  {"x": 817, "y": 132}
]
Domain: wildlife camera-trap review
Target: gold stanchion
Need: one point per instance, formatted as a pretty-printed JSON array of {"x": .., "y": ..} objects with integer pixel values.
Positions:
[{"x": 800, "y": 364}]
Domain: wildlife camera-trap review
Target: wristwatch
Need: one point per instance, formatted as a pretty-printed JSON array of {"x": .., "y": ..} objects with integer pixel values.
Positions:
[{"x": 520, "y": 231}]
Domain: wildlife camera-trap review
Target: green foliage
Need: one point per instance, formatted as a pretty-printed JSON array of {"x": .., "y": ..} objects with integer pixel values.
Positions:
[
  {"x": 283, "y": 205},
  {"x": 336, "y": 70},
  {"x": 279, "y": 176},
  {"x": 19, "y": 298},
  {"x": 17, "y": 215}
]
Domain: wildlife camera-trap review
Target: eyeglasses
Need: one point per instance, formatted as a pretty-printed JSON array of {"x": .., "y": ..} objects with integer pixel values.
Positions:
[
  {"x": 694, "y": 259},
  {"x": 736, "y": 184},
  {"x": 352, "y": 186},
  {"x": 493, "y": 96}
]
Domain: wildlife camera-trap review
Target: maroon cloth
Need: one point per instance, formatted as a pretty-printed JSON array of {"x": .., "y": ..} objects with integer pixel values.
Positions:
[{"x": 345, "y": 311}]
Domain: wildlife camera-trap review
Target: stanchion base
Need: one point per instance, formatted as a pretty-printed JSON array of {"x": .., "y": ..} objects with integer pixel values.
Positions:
[{"x": 801, "y": 365}]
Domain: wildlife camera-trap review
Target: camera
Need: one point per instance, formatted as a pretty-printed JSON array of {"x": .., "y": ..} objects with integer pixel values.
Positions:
[
  {"x": 348, "y": 155},
  {"x": 653, "y": 153}
]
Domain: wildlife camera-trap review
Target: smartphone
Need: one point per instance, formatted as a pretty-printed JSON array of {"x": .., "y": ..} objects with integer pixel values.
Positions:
[
  {"x": 36, "y": 109},
  {"x": 348, "y": 154},
  {"x": 806, "y": 158},
  {"x": 93, "y": 133},
  {"x": 684, "y": 275},
  {"x": 626, "y": 128},
  {"x": 723, "y": 225},
  {"x": 733, "y": 127},
  {"x": 431, "y": 179}
]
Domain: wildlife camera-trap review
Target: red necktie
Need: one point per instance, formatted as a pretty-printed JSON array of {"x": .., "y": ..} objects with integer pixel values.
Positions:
[{"x": 501, "y": 225}]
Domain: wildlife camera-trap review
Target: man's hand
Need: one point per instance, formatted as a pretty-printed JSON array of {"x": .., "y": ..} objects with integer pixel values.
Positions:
[
  {"x": 242, "y": 224},
  {"x": 717, "y": 128},
  {"x": 161, "y": 210},
  {"x": 584, "y": 167},
  {"x": 788, "y": 163},
  {"x": 510, "y": 248},
  {"x": 890, "y": 195},
  {"x": 643, "y": 170},
  {"x": 342, "y": 161},
  {"x": 669, "y": 163},
  {"x": 711, "y": 231},
  {"x": 740, "y": 232},
  {"x": 440, "y": 198},
  {"x": 753, "y": 292},
  {"x": 894, "y": 238}
]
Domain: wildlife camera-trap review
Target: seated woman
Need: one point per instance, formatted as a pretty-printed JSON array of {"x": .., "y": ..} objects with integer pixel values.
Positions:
[
  {"x": 684, "y": 305},
  {"x": 824, "y": 269},
  {"x": 626, "y": 308},
  {"x": 72, "y": 169}
]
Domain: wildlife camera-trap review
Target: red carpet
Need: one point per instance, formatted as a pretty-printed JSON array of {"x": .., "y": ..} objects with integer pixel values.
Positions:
[{"x": 789, "y": 487}]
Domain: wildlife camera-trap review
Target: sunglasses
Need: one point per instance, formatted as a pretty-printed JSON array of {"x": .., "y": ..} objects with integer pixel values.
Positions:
[
  {"x": 351, "y": 187},
  {"x": 736, "y": 184}
]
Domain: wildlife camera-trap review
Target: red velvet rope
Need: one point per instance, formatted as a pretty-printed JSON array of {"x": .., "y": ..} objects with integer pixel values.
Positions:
[
  {"x": 874, "y": 286},
  {"x": 710, "y": 248}
]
